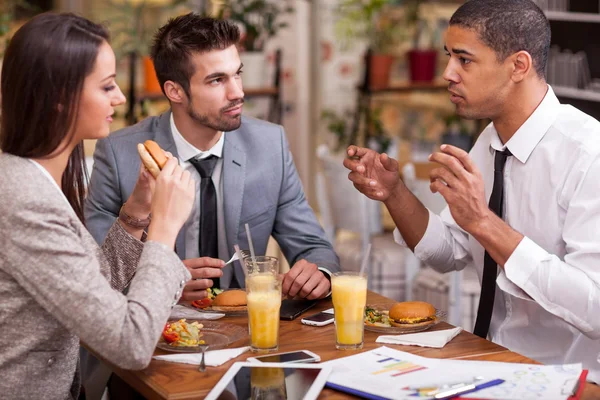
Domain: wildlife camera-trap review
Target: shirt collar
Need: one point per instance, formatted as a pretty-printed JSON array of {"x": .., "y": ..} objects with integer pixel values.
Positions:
[
  {"x": 187, "y": 150},
  {"x": 51, "y": 179},
  {"x": 526, "y": 138}
]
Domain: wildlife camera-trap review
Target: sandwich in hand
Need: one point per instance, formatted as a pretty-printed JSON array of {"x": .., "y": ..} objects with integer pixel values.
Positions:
[
  {"x": 153, "y": 157},
  {"x": 412, "y": 313}
]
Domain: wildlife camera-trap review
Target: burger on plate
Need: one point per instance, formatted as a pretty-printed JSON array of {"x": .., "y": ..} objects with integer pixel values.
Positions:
[
  {"x": 230, "y": 300},
  {"x": 412, "y": 313}
]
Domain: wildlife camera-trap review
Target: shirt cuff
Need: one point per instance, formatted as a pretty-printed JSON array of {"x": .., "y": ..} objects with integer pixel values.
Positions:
[
  {"x": 327, "y": 274},
  {"x": 511, "y": 288},
  {"x": 523, "y": 262},
  {"x": 398, "y": 238},
  {"x": 430, "y": 240}
]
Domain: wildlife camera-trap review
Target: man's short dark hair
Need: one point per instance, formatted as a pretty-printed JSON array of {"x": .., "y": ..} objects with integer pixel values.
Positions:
[
  {"x": 184, "y": 36},
  {"x": 507, "y": 27}
]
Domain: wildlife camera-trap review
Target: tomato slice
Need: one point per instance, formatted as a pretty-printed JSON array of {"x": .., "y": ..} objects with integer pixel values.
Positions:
[
  {"x": 170, "y": 337},
  {"x": 205, "y": 302}
]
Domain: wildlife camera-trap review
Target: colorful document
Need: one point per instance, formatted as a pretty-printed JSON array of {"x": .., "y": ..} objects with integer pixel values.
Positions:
[{"x": 385, "y": 373}]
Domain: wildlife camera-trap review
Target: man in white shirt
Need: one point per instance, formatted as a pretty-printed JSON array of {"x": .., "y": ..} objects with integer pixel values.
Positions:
[{"x": 545, "y": 238}]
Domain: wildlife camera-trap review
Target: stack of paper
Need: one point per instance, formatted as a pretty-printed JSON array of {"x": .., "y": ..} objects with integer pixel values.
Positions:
[{"x": 391, "y": 374}]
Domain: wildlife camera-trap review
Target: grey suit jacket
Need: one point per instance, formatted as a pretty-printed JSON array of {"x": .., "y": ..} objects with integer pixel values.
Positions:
[
  {"x": 58, "y": 287},
  {"x": 261, "y": 187}
]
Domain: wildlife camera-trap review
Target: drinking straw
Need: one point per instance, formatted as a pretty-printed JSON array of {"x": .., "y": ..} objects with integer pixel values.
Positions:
[
  {"x": 250, "y": 244},
  {"x": 238, "y": 252},
  {"x": 365, "y": 260}
]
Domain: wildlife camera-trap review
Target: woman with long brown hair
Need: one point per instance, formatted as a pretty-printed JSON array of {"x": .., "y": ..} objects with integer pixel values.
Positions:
[{"x": 57, "y": 287}]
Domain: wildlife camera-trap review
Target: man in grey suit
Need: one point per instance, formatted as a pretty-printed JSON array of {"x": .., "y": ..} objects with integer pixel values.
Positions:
[{"x": 255, "y": 180}]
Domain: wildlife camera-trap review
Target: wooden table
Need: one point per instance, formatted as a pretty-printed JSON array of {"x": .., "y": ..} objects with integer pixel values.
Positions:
[{"x": 165, "y": 380}]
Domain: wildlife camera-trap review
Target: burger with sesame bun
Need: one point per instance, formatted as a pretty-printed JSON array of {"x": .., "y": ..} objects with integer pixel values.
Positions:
[{"x": 412, "y": 314}]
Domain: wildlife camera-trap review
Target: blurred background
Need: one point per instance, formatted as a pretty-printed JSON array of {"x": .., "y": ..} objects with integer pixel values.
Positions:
[{"x": 340, "y": 72}]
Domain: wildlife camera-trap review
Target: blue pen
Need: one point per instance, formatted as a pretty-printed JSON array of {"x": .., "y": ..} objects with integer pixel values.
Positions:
[{"x": 448, "y": 394}]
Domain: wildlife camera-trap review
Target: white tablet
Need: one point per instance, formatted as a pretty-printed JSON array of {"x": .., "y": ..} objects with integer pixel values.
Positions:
[{"x": 246, "y": 380}]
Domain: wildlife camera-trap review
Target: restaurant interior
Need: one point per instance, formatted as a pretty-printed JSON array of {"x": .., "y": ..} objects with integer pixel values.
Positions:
[{"x": 370, "y": 77}]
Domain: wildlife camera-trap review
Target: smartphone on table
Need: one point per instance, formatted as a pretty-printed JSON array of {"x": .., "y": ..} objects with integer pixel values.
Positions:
[
  {"x": 291, "y": 309},
  {"x": 300, "y": 356},
  {"x": 319, "y": 319}
]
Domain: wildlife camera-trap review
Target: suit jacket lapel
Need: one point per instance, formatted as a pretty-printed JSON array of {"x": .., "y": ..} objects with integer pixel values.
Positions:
[
  {"x": 234, "y": 175},
  {"x": 163, "y": 135},
  {"x": 164, "y": 138}
]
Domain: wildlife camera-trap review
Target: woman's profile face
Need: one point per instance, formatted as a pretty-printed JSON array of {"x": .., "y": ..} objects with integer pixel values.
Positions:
[{"x": 99, "y": 96}]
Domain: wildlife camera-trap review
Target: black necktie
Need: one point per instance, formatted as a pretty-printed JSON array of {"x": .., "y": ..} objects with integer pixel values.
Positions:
[
  {"x": 490, "y": 267},
  {"x": 208, "y": 211}
]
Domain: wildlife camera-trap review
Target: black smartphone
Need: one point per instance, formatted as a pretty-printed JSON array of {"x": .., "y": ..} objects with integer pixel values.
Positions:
[{"x": 291, "y": 309}]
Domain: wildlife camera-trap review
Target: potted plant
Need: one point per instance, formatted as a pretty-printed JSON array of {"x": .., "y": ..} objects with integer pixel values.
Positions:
[
  {"x": 259, "y": 20},
  {"x": 8, "y": 17},
  {"x": 337, "y": 125},
  {"x": 132, "y": 24},
  {"x": 414, "y": 132},
  {"x": 422, "y": 57},
  {"x": 8, "y": 21},
  {"x": 384, "y": 29},
  {"x": 375, "y": 136}
]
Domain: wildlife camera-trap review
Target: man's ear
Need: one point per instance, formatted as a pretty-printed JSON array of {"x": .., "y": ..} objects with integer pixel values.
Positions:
[
  {"x": 522, "y": 64},
  {"x": 174, "y": 92}
]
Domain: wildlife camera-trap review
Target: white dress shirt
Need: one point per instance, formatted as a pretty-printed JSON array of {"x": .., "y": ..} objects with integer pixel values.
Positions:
[
  {"x": 186, "y": 151},
  {"x": 547, "y": 303}
]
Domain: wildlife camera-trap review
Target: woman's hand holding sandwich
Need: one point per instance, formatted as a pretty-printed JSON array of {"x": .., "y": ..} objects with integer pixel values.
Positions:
[{"x": 172, "y": 203}]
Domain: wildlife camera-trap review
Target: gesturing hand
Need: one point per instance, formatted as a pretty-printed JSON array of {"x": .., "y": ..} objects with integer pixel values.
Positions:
[
  {"x": 373, "y": 174},
  {"x": 461, "y": 184}
]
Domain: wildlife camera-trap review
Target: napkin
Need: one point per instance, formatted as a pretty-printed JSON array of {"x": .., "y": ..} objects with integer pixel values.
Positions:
[
  {"x": 180, "y": 311},
  {"x": 436, "y": 339},
  {"x": 213, "y": 358}
]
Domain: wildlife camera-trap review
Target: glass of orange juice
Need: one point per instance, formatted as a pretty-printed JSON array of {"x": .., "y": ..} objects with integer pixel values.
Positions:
[
  {"x": 263, "y": 291},
  {"x": 349, "y": 295}
]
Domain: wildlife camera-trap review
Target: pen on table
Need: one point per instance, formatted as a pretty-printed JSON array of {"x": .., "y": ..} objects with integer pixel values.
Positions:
[
  {"x": 448, "y": 394},
  {"x": 576, "y": 387},
  {"x": 430, "y": 390}
]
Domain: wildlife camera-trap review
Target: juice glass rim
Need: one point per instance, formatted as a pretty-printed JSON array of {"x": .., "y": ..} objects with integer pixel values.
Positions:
[
  {"x": 261, "y": 264},
  {"x": 351, "y": 273},
  {"x": 260, "y": 258}
]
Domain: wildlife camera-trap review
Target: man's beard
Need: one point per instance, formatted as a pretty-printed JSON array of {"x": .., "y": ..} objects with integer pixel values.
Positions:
[
  {"x": 221, "y": 122},
  {"x": 471, "y": 114}
]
